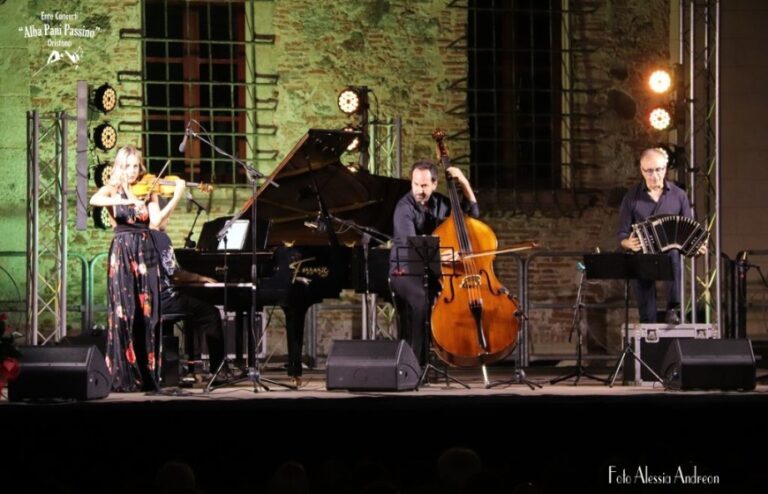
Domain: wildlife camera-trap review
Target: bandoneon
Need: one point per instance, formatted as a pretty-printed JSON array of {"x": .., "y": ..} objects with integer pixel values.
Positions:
[{"x": 665, "y": 232}]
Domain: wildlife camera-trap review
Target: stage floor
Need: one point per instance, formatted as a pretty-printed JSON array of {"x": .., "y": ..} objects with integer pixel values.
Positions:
[
  {"x": 502, "y": 383},
  {"x": 563, "y": 438}
]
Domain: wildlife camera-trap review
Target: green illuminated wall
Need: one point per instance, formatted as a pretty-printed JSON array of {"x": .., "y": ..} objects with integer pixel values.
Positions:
[{"x": 398, "y": 49}]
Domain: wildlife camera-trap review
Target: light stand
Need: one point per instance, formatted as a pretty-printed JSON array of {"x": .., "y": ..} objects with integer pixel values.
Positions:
[
  {"x": 254, "y": 373},
  {"x": 579, "y": 372}
]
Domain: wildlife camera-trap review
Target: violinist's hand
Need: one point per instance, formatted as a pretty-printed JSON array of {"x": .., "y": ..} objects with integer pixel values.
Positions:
[
  {"x": 178, "y": 191},
  {"x": 632, "y": 243}
]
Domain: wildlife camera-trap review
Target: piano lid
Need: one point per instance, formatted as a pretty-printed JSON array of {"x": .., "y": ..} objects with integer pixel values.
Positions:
[{"x": 368, "y": 200}]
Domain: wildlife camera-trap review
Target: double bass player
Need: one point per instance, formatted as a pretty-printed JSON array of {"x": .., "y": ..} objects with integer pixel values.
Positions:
[{"x": 419, "y": 212}]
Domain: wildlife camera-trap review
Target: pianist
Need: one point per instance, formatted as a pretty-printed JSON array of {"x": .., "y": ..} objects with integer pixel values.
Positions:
[{"x": 202, "y": 317}]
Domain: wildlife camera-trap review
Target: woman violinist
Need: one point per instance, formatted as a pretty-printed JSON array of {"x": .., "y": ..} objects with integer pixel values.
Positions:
[
  {"x": 133, "y": 283},
  {"x": 418, "y": 213}
]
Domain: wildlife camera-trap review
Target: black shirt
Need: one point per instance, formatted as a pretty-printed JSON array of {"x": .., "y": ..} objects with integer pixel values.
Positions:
[
  {"x": 411, "y": 219},
  {"x": 638, "y": 206},
  {"x": 168, "y": 263}
]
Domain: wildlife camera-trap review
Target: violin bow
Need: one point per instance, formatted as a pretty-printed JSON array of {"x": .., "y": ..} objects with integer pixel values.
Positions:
[
  {"x": 157, "y": 178},
  {"x": 515, "y": 248}
]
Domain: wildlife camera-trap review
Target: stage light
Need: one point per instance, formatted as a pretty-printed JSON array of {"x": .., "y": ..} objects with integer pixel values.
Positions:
[
  {"x": 101, "y": 174},
  {"x": 105, "y": 98},
  {"x": 349, "y": 101},
  {"x": 105, "y": 137},
  {"x": 101, "y": 218},
  {"x": 676, "y": 155},
  {"x": 355, "y": 144},
  {"x": 660, "y": 118},
  {"x": 660, "y": 81}
]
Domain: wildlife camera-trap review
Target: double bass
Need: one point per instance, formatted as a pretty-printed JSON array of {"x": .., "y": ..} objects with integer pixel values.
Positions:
[{"x": 474, "y": 320}]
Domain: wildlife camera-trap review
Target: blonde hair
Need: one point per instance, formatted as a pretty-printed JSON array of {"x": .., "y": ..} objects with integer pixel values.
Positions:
[{"x": 121, "y": 159}]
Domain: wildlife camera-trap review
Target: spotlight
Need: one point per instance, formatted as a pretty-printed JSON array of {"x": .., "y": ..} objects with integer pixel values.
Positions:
[
  {"x": 676, "y": 155},
  {"x": 101, "y": 174},
  {"x": 353, "y": 100},
  {"x": 355, "y": 144},
  {"x": 660, "y": 81},
  {"x": 101, "y": 218},
  {"x": 349, "y": 101},
  {"x": 105, "y": 137},
  {"x": 105, "y": 98},
  {"x": 660, "y": 118}
]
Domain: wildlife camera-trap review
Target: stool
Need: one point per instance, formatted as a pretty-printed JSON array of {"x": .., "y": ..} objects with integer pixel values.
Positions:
[{"x": 166, "y": 356}]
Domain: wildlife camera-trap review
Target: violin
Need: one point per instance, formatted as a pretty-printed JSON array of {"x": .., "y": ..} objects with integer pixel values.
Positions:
[{"x": 150, "y": 184}]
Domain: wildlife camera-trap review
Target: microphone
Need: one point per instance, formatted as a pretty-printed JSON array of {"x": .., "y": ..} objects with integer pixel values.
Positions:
[
  {"x": 183, "y": 145},
  {"x": 318, "y": 224},
  {"x": 192, "y": 200},
  {"x": 580, "y": 267}
]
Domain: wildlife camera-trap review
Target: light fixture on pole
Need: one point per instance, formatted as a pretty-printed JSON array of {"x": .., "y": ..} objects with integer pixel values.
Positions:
[
  {"x": 101, "y": 218},
  {"x": 105, "y": 136},
  {"x": 105, "y": 98},
  {"x": 660, "y": 118},
  {"x": 101, "y": 174},
  {"x": 353, "y": 100},
  {"x": 660, "y": 81}
]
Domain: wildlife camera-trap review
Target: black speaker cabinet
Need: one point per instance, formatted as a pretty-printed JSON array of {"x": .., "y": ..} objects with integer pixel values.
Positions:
[
  {"x": 60, "y": 373},
  {"x": 376, "y": 365},
  {"x": 709, "y": 364}
]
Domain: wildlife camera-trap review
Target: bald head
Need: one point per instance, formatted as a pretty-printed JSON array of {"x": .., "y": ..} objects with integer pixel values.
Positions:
[{"x": 653, "y": 166}]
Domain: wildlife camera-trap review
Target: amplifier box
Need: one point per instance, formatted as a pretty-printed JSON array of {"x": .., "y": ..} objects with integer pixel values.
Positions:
[{"x": 650, "y": 342}]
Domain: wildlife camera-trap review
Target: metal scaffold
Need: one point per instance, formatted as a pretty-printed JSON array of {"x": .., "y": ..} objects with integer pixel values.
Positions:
[
  {"x": 46, "y": 227},
  {"x": 699, "y": 54}
]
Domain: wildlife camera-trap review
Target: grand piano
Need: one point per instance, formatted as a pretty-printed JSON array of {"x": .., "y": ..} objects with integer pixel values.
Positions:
[{"x": 311, "y": 232}]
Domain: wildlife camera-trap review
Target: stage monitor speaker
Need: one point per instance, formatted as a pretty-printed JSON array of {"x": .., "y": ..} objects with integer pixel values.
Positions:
[
  {"x": 52, "y": 373},
  {"x": 709, "y": 364},
  {"x": 375, "y": 365}
]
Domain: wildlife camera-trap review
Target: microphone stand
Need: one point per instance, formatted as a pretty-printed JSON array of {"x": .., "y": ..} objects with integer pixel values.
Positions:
[
  {"x": 578, "y": 307},
  {"x": 367, "y": 233},
  {"x": 254, "y": 373},
  {"x": 188, "y": 242}
]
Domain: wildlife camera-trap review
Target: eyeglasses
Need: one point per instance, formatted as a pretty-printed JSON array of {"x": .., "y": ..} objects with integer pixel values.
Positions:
[{"x": 651, "y": 171}]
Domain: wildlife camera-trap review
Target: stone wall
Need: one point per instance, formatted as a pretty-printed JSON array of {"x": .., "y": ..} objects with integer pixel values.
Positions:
[{"x": 400, "y": 50}]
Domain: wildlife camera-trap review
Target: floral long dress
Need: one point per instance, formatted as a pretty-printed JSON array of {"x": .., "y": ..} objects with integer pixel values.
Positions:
[{"x": 133, "y": 290}]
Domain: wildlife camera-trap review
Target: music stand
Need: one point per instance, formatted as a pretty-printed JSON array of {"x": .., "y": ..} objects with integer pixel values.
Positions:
[
  {"x": 625, "y": 266},
  {"x": 422, "y": 258}
]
